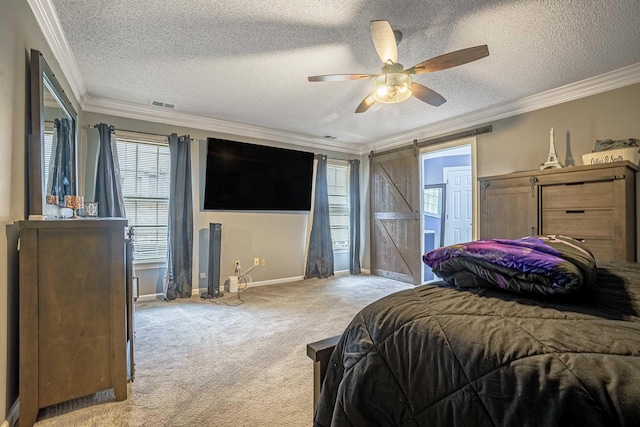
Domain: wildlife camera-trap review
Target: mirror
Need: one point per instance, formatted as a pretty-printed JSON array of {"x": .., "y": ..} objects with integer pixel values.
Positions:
[
  {"x": 51, "y": 150},
  {"x": 434, "y": 211}
]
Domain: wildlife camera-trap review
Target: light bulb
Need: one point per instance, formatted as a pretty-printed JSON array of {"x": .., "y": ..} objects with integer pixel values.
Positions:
[{"x": 390, "y": 88}]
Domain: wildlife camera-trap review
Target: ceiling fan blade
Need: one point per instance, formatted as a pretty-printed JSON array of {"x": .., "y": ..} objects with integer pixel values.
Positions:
[
  {"x": 340, "y": 77},
  {"x": 427, "y": 95},
  {"x": 366, "y": 103},
  {"x": 384, "y": 41},
  {"x": 451, "y": 59}
]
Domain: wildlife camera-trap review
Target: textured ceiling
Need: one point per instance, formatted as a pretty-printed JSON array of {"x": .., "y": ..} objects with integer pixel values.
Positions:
[{"x": 247, "y": 61}]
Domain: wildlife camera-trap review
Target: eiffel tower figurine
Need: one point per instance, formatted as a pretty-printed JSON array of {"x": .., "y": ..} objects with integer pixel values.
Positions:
[{"x": 552, "y": 161}]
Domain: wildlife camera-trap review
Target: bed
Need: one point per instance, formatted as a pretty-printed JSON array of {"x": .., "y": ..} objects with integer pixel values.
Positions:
[{"x": 450, "y": 354}]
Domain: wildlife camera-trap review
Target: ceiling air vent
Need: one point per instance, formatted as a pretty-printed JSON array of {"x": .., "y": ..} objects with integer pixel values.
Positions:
[{"x": 162, "y": 104}]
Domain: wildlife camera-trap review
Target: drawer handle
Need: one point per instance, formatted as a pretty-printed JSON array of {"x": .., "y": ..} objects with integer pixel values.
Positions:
[
  {"x": 575, "y": 211},
  {"x": 580, "y": 239},
  {"x": 574, "y": 183}
]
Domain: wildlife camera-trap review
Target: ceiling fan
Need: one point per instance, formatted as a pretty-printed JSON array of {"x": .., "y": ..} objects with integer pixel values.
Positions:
[{"x": 394, "y": 83}]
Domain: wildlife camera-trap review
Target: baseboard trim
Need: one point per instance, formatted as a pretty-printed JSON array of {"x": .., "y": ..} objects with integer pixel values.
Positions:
[
  {"x": 12, "y": 415},
  {"x": 275, "y": 281},
  {"x": 196, "y": 292},
  {"x": 150, "y": 297}
]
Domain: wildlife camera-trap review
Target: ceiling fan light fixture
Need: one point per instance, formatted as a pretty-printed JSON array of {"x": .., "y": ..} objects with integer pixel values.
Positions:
[
  {"x": 391, "y": 88},
  {"x": 394, "y": 84}
]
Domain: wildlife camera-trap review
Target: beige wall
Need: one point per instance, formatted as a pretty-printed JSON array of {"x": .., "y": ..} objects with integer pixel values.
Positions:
[
  {"x": 19, "y": 33},
  {"x": 522, "y": 142},
  {"x": 279, "y": 238},
  {"x": 516, "y": 143}
]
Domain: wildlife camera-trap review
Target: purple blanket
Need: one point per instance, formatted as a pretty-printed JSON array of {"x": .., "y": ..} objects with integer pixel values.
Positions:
[{"x": 539, "y": 264}]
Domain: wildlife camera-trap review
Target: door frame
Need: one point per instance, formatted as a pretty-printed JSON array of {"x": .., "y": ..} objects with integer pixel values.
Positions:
[{"x": 475, "y": 187}]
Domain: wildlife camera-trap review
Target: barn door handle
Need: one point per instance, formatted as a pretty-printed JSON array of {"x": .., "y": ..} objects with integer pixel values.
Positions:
[
  {"x": 416, "y": 215},
  {"x": 532, "y": 182},
  {"x": 483, "y": 189}
]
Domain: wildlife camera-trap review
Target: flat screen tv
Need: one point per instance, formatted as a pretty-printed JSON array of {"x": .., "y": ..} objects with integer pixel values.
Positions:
[{"x": 243, "y": 176}]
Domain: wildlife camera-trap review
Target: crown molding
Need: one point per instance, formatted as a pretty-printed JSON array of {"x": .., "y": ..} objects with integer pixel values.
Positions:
[
  {"x": 47, "y": 18},
  {"x": 157, "y": 115},
  {"x": 613, "y": 80},
  {"x": 622, "y": 77}
]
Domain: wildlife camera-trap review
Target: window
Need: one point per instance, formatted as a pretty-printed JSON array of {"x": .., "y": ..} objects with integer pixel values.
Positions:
[
  {"x": 338, "y": 189},
  {"x": 433, "y": 200},
  {"x": 144, "y": 168},
  {"x": 47, "y": 149}
]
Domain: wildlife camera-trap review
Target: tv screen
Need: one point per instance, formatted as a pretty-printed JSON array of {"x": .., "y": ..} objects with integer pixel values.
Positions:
[{"x": 243, "y": 176}]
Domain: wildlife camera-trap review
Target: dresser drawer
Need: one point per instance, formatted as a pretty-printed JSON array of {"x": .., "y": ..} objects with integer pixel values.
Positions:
[
  {"x": 582, "y": 195},
  {"x": 579, "y": 223},
  {"x": 602, "y": 249}
]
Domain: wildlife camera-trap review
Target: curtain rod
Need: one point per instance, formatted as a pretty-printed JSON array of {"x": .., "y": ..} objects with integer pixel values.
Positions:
[
  {"x": 426, "y": 142},
  {"x": 142, "y": 133},
  {"x": 315, "y": 155}
]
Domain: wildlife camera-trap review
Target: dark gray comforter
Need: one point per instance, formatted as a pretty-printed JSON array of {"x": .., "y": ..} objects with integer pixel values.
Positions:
[{"x": 442, "y": 356}]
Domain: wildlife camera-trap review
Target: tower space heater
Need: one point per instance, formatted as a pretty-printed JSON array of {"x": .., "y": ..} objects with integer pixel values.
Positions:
[{"x": 215, "y": 241}]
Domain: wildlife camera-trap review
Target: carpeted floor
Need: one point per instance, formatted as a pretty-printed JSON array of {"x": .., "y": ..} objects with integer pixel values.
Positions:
[{"x": 205, "y": 363}]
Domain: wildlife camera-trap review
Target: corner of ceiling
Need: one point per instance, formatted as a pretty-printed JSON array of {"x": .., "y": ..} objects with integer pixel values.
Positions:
[
  {"x": 622, "y": 77},
  {"x": 156, "y": 115},
  {"x": 47, "y": 18}
]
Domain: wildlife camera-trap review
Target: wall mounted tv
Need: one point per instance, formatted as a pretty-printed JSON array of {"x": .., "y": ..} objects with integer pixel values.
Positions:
[{"x": 243, "y": 176}]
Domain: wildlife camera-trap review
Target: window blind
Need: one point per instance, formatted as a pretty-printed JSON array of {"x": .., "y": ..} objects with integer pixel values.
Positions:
[
  {"x": 48, "y": 148},
  {"x": 145, "y": 169},
  {"x": 338, "y": 191}
]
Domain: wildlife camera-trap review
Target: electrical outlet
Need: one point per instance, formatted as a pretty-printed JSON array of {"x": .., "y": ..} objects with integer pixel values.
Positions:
[
  {"x": 263, "y": 262},
  {"x": 203, "y": 275},
  {"x": 256, "y": 261}
]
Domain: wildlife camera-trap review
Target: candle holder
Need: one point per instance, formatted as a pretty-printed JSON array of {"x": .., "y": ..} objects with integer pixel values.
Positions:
[
  {"x": 74, "y": 202},
  {"x": 91, "y": 209}
]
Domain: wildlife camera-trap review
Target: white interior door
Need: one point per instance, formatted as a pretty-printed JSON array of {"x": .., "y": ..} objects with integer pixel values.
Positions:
[{"x": 459, "y": 206}]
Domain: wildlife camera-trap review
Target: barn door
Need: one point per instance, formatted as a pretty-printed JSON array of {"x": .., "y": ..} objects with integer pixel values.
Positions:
[{"x": 395, "y": 216}]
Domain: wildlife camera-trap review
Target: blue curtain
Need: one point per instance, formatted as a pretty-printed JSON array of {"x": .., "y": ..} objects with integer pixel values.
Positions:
[
  {"x": 61, "y": 165},
  {"x": 320, "y": 257},
  {"x": 178, "y": 282},
  {"x": 354, "y": 216},
  {"x": 108, "y": 183}
]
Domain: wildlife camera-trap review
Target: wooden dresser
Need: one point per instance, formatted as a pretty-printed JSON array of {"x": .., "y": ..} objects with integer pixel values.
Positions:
[
  {"x": 75, "y": 316},
  {"x": 596, "y": 204}
]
